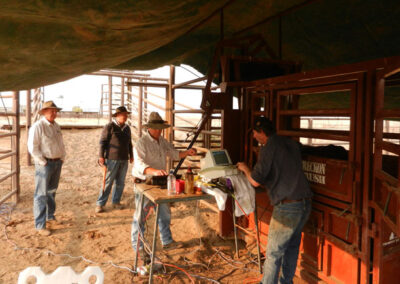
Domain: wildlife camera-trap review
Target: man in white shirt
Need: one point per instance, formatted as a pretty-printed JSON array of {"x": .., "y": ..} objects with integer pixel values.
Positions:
[
  {"x": 150, "y": 154},
  {"x": 45, "y": 143}
]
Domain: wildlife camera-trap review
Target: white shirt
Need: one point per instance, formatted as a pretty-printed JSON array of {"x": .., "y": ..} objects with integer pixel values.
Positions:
[
  {"x": 150, "y": 153},
  {"x": 45, "y": 141}
]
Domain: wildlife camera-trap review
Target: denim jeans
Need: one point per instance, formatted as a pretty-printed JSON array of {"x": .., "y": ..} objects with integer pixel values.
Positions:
[
  {"x": 44, "y": 198},
  {"x": 116, "y": 171},
  {"x": 284, "y": 239},
  {"x": 164, "y": 221}
]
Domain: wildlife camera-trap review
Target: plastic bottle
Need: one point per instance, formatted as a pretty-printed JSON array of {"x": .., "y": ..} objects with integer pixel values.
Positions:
[
  {"x": 189, "y": 182},
  {"x": 171, "y": 183}
]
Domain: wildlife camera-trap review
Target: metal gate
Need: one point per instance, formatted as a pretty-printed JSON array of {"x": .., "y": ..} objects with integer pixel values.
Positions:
[{"x": 353, "y": 232}]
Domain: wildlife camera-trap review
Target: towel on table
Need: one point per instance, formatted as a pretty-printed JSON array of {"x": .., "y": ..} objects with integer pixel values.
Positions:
[
  {"x": 244, "y": 193},
  {"x": 220, "y": 196}
]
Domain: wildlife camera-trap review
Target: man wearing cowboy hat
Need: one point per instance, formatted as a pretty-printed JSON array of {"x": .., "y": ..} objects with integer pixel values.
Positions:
[
  {"x": 45, "y": 143},
  {"x": 150, "y": 153},
  {"x": 115, "y": 151}
]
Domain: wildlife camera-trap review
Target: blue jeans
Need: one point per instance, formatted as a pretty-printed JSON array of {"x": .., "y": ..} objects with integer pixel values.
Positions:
[
  {"x": 116, "y": 171},
  {"x": 44, "y": 198},
  {"x": 284, "y": 239},
  {"x": 164, "y": 221}
]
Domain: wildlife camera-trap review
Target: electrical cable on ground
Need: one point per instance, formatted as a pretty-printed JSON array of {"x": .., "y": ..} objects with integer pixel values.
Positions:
[
  {"x": 49, "y": 252},
  {"x": 6, "y": 211}
]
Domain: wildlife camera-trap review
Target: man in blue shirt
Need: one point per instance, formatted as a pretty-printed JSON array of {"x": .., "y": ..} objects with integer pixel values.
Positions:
[{"x": 279, "y": 169}]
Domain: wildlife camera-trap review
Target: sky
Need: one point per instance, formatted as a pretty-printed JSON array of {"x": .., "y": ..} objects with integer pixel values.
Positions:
[{"x": 85, "y": 91}]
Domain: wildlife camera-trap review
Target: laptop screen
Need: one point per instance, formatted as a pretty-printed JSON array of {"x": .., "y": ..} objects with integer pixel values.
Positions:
[{"x": 220, "y": 158}]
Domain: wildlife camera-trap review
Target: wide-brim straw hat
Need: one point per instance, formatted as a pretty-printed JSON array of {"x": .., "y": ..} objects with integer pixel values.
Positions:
[
  {"x": 156, "y": 122},
  {"x": 49, "y": 104},
  {"x": 120, "y": 109}
]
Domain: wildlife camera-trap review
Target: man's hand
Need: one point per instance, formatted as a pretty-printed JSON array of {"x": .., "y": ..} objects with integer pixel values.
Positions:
[
  {"x": 191, "y": 152},
  {"x": 101, "y": 161},
  {"x": 247, "y": 172},
  {"x": 154, "y": 172},
  {"x": 159, "y": 173},
  {"x": 243, "y": 167}
]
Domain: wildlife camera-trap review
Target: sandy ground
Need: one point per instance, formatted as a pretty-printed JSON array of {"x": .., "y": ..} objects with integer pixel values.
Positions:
[{"x": 82, "y": 238}]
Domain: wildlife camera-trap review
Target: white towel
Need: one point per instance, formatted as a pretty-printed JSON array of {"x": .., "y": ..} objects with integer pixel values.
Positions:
[
  {"x": 220, "y": 196},
  {"x": 244, "y": 193}
]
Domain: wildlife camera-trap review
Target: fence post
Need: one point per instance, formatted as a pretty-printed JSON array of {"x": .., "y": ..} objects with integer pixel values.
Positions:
[
  {"x": 145, "y": 101},
  {"x": 109, "y": 98},
  {"x": 37, "y": 103},
  {"x": 15, "y": 166},
  {"x": 122, "y": 91},
  {"x": 140, "y": 109},
  {"x": 170, "y": 102},
  {"x": 28, "y": 122}
]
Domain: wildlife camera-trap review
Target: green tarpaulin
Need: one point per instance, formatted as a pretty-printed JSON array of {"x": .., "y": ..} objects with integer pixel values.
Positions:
[{"x": 43, "y": 42}]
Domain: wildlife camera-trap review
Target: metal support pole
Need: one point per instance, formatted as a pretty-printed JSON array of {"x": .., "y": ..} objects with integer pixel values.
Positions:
[
  {"x": 141, "y": 198},
  {"x": 153, "y": 251},
  {"x": 170, "y": 103},
  {"x": 258, "y": 239},
  {"x": 280, "y": 37},
  {"x": 15, "y": 147},
  {"x": 102, "y": 100},
  {"x": 140, "y": 110},
  {"x": 37, "y": 102},
  {"x": 109, "y": 98},
  {"x": 145, "y": 101},
  {"x": 234, "y": 227},
  {"x": 203, "y": 121},
  {"x": 122, "y": 91},
  {"x": 28, "y": 123},
  {"x": 130, "y": 96}
]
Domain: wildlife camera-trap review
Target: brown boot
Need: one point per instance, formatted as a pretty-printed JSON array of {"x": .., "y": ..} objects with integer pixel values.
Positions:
[
  {"x": 117, "y": 206},
  {"x": 173, "y": 245},
  {"x": 99, "y": 209},
  {"x": 44, "y": 232}
]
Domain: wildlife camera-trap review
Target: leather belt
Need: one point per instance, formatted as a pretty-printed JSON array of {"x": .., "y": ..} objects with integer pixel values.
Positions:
[
  {"x": 53, "y": 160},
  {"x": 285, "y": 201}
]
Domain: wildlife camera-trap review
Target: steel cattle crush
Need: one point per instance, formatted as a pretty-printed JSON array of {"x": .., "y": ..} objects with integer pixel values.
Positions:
[{"x": 353, "y": 233}]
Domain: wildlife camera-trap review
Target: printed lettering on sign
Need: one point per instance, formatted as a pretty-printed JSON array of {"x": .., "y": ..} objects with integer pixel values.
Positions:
[{"x": 315, "y": 172}]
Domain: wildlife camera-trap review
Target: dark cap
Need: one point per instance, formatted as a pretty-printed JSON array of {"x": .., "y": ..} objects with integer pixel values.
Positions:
[
  {"x": 120, "y": 109},
  {"x": 262, "y": 123}
]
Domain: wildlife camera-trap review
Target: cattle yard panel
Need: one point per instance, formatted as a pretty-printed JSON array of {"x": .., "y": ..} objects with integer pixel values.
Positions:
[
  {"x": 13, "y": 153},
  {"x": 353, "y": 232},
  {"x": 385, "y": 195}
]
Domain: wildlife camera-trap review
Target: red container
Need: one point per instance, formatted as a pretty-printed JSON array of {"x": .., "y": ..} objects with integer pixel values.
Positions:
[{"x": 180, "y": 186}]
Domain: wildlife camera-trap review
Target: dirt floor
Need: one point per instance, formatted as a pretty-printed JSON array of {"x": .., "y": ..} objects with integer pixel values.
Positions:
[{"x": 82, "y": 238}]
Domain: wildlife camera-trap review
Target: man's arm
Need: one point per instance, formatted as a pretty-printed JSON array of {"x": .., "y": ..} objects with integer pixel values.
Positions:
[
  {"x": 175, "y": 154},
  {"x": 34, "y": 145},
  {"x": 64, "y": 153},
  {"x": 104, "y": 142},
  {"x": 182, "y": 154},
  {"x": 190, "y": 152},
  {"x": 140, "y": 167},
  {"x": 247, "y": 172},
  {"x": 154, "y": 172},
  {"x": 130, "y": 146}
]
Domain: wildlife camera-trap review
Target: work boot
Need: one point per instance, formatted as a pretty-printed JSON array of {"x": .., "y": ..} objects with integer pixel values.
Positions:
[
  {"x": 117, "y": 206},
  {"x": 44, "y": 232},
  {"x": 52, "y": 221},
  {"x": 99, "y": 209},
  {"x": 173, "y": 245}
]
